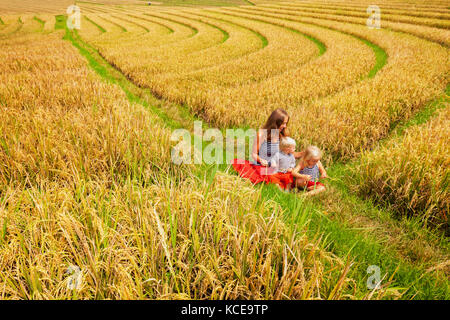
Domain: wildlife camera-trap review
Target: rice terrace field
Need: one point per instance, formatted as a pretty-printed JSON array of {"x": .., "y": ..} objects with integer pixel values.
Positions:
[{"x": 92, "y": 205}]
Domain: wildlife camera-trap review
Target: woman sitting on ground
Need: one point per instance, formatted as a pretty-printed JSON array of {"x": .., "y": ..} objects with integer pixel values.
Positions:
[
  {"x": 308, "y": 171},
  {"x": 265, "y": 146}
]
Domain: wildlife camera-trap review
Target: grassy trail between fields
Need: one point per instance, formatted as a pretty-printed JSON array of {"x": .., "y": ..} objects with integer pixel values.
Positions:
[{"x": 352, "y": 227}]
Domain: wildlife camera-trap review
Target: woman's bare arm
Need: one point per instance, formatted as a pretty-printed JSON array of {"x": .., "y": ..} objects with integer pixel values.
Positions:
[{"x": 256, "y": 145}]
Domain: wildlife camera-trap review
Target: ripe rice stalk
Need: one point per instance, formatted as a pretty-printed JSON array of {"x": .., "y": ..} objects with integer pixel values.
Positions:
[
  {"x": 53, "y": 145},
  {"x": 432, "y": 5},
  {"x": 411, "y": 173}
]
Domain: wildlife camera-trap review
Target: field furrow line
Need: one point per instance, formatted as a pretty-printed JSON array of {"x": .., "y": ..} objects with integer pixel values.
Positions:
[
  {"x": 98, "y": 27},
  {"x": 207, "y": 36},
  {"x": 241, "y": 42},
  {"x": 165, "y": 33},
  {"x": 132, "y": 22},
  {"x": 226, "y": 34},
  {"x": 106, "y": 28},
  {"x": 195, "y": 30},
  {"x": 49, "y": 22},
  {"x": 119, "y": 25},
  {"x": 41, "y": 22},
  {"x": 152, "y": 22}
]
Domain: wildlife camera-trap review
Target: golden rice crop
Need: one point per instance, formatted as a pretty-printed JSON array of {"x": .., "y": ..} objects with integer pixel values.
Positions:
[
  {"x": 435, "y": 34},
  {"x": 430, "y": 22},
  {"x": 49, "y": 22},
  {"x": 289, "y": 88},
  {"x": 234, "y": 41},
  {"x": 93, "y": 9},
  {"x": 205, "y": 37},
  {"x": 355, "y": 8},
  {"x": 30, "y": 24},
  {"x": 12, "y": 25},
  {"x": 160, "y": 32},
  {"x": 86, "y": 177},
  {"x": 237, "y": 41},
  {"x": 111, "y": 26},
  {"x": 285, "y": 49},
  {"x": 283, "y": 46},
  {"x": 31, "y": 6},
  {"x": 90, "y": 29},
  {"x": 134, "y": 242},
  {"x": 66, "y": 128},
  {"x": 411, "y": 172},
  {"x": 415, "y": 4},
  {"x": 86, "y": 180},
  {"x": 132, "y": 24},
  {"x": 149, "y": 23},
  {"x": 132, "y": 28}
]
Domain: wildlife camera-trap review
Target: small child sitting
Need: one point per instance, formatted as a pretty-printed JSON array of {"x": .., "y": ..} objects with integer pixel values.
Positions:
[
  {"x": 284, "y": 160},
  {"x": 309, "y": 170}
]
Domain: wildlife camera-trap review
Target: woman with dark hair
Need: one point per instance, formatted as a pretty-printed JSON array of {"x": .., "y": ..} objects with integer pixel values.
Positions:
[
  {"x": 267, "y": 141},
  {"x": 265, "y": 146}
]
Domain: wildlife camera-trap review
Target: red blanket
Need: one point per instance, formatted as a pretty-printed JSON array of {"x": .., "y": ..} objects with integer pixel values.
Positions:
[{"x": 257, "y": 174}]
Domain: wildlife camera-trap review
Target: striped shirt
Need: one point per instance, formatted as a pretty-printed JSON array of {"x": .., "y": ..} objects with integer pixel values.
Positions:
[
  {"x": 268, "y": 149},
  {"x": 313, "y": 172},
  {"x": 283, "y": 161}
]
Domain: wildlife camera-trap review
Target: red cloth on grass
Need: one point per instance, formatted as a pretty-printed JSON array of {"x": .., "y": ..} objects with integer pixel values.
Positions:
[
  {"x": 314, "y": 184},
  {"x": 257, "y": 174}
]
